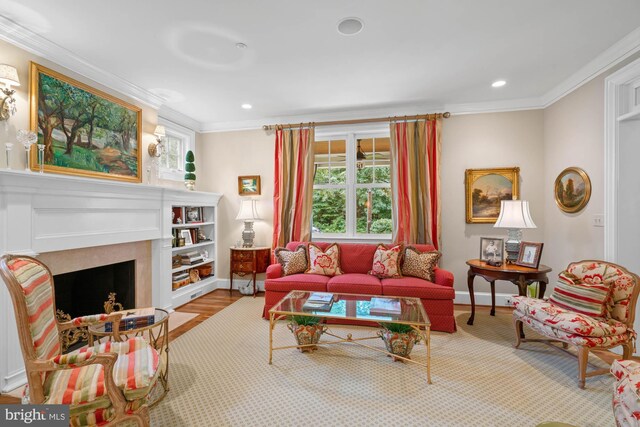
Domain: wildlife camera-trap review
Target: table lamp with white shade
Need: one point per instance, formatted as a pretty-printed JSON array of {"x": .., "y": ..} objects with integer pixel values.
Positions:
[
  {"x": 514, "y": 216},
  {"x": 248, "y": 213}
]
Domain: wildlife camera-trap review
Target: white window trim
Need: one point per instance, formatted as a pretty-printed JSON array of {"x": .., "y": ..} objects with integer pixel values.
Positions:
[
  {"x": 350, "y": 135},
  {"x": 189, "y": 138}
]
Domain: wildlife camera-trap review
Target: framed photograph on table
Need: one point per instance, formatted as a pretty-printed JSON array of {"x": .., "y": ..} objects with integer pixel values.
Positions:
[
  {"x": 529, "y": 255},
  {"x": 491, "y": 250}
]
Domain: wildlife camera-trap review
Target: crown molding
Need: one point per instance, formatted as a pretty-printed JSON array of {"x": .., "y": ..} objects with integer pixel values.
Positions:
[
  {"x": 179, "y": 118},
  {"x": 611, "y": 57},
  {"x": 26, "y": 39}
]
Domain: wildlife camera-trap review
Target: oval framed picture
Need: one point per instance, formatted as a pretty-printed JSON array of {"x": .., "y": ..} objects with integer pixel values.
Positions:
[{"x": 572, "y": 190}]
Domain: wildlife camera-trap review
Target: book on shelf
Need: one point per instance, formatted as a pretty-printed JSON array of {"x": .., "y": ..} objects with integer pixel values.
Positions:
[
  {"x": 384, "y": 306},
  {"x": 135, "y": 318}
]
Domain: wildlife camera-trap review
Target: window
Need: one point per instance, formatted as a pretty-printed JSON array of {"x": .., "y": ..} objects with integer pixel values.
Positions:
[
  {"x": 177, "y": 142},
  {"x": 352, "y": 186}
]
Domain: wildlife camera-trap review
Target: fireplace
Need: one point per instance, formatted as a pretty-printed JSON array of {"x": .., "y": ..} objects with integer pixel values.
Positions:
[{"x": 84, "y": 292}]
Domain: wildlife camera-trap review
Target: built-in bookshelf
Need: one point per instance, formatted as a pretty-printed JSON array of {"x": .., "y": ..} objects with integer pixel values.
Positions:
[{"x": 193, "y": 249}]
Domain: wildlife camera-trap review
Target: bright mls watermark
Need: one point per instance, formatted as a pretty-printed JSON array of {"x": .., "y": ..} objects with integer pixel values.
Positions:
[{"x": 34, "y": 415}]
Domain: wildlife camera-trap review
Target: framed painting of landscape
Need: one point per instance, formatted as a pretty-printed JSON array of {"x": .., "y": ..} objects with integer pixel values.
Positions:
[
  {"x": 485, "y": 189},
  {"x": 85, "y": 131},
  {"x": 572, "y": 190}
]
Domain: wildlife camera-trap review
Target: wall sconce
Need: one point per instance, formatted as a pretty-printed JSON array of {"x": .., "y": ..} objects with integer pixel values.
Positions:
[
  {"x": 155, "y": 150},
  {"x": 8, "y": 77}
]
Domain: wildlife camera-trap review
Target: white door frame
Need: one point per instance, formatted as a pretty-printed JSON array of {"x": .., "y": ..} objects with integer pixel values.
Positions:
[{"x": 619, "y": 105}]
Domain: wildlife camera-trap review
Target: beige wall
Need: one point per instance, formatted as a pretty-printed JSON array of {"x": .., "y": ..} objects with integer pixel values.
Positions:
[
  {"x": 223, "y": 157},
  {"x": 12, "y": 55},
  {"x": 485, "y": 141},
  {"x": 469, "y": 141}
]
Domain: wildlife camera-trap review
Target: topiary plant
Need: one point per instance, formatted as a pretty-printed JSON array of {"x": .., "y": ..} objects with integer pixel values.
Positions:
[{"x": 189, "y": 167}]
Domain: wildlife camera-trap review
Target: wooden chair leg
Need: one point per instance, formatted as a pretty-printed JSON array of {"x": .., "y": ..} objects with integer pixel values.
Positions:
[
  {"x": 517, "y": 325},
  {"x": 583, "y": 357},
  {"x": 627, "y": 350}
]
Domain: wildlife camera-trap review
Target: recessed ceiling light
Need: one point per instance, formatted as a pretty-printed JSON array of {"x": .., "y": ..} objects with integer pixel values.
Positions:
[
  {"x": 498, "y": 83},
  {"x": 247, "y": 106},
  {"x": 241, "y": 45},
  {"x": 350, "y": 26}
]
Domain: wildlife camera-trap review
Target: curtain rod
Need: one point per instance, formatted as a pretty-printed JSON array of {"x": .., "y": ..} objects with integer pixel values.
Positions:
[{"x": 357, "y": 121}]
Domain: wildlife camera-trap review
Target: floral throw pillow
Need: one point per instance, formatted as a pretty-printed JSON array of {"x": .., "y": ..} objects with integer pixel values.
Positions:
[
  {"x": 325, "y": 262},
  {"x": 293, "y": 262},
  {"x": 420, "y": 264},
  {"x": 386, "y": 262}
]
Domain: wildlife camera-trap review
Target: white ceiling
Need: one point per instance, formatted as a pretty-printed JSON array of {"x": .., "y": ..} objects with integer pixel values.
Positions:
[{"x": 413, "y": 56}]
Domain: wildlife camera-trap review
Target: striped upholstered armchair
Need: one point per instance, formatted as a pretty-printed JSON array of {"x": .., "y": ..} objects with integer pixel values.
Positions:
[
  {"x": 105, "y": 384},
  {"x": 592, "y": 308}
]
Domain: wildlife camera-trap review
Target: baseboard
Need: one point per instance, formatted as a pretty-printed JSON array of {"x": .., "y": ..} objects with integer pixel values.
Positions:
[
  {"x": 15, "y": 380},
  {"x": 224, "y": 283},
  {"x": 483, "y": 298}
]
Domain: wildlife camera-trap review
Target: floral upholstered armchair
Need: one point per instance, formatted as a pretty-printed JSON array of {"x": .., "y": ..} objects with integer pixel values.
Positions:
[
  {"x": 103, "y": 385},
  {"x": 592, "y": 307},
  {"x": 626, "y": 393}
]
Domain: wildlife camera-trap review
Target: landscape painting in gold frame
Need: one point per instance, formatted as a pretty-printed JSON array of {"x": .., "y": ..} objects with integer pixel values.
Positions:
[
  {"x": 485, "y": 189},
  {"x": 85, "y": 131},
  {"x": 572, "y": 190}
]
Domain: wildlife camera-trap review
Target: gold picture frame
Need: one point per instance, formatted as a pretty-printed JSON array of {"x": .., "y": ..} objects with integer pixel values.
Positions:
[
  {"x": 572, "y": 189},
  {"x": 86, "y": 132},
  {"x": 485, "y": 188},
  {"x": 249, "y": 185}
]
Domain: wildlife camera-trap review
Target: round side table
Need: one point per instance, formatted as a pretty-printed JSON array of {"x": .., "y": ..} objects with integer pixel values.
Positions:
[{"x": 156, "y": 334}]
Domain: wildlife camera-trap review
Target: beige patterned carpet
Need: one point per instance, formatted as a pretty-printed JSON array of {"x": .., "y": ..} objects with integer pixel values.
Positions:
[{"x": 219, "y": 376}]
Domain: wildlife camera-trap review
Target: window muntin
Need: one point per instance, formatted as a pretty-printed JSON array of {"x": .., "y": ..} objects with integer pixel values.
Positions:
[
  {"x": 352, "y": 190},
  {"x": 177, "y": 142}
]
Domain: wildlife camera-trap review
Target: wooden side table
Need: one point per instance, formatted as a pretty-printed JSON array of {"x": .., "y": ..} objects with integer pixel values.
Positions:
[
  {"x": 249, "y": 261},
  {"x": 519, "y": 276}
]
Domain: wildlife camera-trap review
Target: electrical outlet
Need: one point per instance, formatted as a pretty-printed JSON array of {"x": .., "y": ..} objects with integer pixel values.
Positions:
[
  {"x": 598, "y": 220},
  {"x": 508, "y": 301}
]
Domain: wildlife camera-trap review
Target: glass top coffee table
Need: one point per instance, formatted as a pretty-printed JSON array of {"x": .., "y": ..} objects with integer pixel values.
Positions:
[{"x": 352, "y": 307}]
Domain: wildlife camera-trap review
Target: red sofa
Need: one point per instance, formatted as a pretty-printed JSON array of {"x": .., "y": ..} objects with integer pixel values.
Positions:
[{"x": 356, "y": 260}]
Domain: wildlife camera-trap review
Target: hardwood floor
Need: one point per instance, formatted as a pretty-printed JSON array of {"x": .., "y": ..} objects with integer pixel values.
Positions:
[{"x": 205, "y": 306}]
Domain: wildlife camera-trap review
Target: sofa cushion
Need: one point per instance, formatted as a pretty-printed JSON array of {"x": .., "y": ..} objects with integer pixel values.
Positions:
[
  {"x": 386, "y": 261},
  {"x": 567, "y": 321},
  {"x": 417, "y": 288},
  {"x": 293, "y": 262},
  {"x": 420, "y": 264},
  {"x": 301, "y": 282},
  {"x": 575, "y": 294},
  {"x": 356, "y": 257},
  {"x": 355, "y": 283},
  {"x": 325, "y": 262}
]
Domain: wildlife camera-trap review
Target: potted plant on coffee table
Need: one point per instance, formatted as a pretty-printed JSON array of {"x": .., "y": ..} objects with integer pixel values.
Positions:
[
  {"x": 307, "y": 330},
  {"x": 399, "y": 339}
]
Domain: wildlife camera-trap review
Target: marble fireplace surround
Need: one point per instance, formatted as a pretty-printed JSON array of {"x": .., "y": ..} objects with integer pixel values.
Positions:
[{"x": 73, "y": 223}]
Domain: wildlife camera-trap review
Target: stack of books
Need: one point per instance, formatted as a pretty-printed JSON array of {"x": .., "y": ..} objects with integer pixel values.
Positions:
[
  {"x": 180, "y": 279},
  {"x": 190, "y": 258},
  {"x": 318, "y": 301},
  {"x": 133, "y": 319},
  {"x": 384, "y": 306}
]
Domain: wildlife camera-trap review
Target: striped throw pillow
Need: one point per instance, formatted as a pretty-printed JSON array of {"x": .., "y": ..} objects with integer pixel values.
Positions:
[{"x": 574, "y": 294}]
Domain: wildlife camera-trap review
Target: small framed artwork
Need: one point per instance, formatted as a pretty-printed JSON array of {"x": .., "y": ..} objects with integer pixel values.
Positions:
[
  {"x": 529, "y": 255},
  {"x": 485, "y": 189},
  {"x": 193, "y": 214},
  {"x": 572, "y": 190},
  {"x": 491, "y": 250},
  {"x": 186, "y": 235},
  {"x": 249, "y": 185}
]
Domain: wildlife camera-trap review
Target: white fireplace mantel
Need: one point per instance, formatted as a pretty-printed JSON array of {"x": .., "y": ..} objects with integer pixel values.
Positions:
[{"x": 45, "y": 213}]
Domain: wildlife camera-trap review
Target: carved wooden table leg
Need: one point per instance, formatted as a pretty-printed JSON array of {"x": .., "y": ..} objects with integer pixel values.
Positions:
[
  {"x": 493, "y": 297},
  {"x": 470, "y": 276}
]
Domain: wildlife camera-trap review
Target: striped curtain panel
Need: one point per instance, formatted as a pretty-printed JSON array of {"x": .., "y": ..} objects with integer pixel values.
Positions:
[
  {"x": 293, "y": 187},
  {"x": 415, "y": 181}
]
